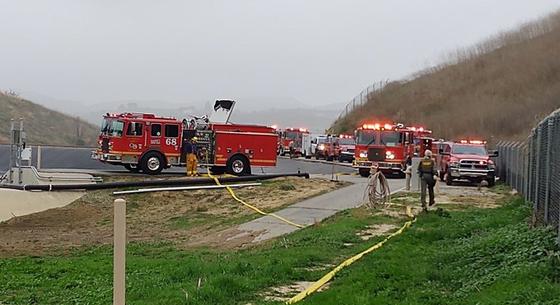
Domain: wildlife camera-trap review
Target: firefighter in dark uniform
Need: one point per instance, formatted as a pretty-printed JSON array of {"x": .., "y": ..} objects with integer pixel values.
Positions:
[{"x": 427, "y": 172}]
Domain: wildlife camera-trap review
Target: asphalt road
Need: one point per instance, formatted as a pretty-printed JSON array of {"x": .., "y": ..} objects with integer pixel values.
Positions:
[{"x": 79, "y": 158}]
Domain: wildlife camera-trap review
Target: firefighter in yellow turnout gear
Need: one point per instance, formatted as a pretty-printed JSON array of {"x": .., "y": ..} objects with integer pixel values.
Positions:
[
  {"x": 191, "y": 159},
  {"x": 427, "y": 172}
]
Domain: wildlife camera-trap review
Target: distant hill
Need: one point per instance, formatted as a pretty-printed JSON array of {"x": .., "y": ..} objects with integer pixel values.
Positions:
[
  {"x": 44, "y": 126},
  {"x": 283, "y": 112},
  {"x": 498, "y": 89}
]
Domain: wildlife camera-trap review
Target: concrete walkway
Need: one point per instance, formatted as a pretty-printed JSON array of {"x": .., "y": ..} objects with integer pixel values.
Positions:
[{"x": 311, "y": 210}]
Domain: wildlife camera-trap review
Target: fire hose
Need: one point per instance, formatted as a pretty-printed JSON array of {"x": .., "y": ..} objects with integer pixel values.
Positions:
[
  {"x": 158, "y": 182},
  {"x": 378, "y": 193},
  {"x": 314, "y": 287},
  {"x": 234, "y": 196}
]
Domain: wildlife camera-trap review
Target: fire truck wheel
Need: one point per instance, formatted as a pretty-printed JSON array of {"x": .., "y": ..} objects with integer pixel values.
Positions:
[
  {"x": 491, "y": 181},
  {"x": 132, "y": 168},
  {"x": 448, "y": 179},
  {"x": 238, "y": 165},
  {"x": 364, "y": 172},
  {"x": 152, "y": 163}
]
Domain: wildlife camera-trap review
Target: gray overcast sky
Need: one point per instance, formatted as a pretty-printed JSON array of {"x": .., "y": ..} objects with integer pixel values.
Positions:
[{"x": 317, "y": 52}]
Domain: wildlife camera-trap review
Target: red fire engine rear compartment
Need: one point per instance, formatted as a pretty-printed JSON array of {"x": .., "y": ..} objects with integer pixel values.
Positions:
[{"x": 257, "y": 143}]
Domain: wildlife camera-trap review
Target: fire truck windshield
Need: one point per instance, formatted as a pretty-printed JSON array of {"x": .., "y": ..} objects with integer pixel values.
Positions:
[
  {"x": 366, "y": 137},
  {"x": 114, "y": 128},
  {"x": 105, "y": 125},
  {"x": 391, "y": 138},
  {"x": 469, "y": 150},
  {"x": 346, "y": 141},
  {"x": 292, "y": 135}
]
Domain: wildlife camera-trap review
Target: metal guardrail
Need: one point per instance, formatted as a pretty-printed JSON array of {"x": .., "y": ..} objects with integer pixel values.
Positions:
[{"x": 532, "y": 167}]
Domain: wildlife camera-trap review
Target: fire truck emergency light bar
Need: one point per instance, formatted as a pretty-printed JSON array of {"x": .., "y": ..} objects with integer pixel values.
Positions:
[
  {"x": 477, "y": 142},
  {"x": 377, "y": 126},
  {"x": 297, "y": 129},
  {"x": 419, "y": 129}
]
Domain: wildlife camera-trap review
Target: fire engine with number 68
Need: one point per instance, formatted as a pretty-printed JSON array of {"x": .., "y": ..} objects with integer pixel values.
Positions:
[{"x": 149, "y": 143}]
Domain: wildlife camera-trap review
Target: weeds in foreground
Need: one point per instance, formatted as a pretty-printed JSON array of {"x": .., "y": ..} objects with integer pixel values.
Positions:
[{"x": 471, "y": 256}]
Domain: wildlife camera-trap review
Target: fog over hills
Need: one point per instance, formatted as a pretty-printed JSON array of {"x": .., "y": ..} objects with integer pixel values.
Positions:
[{"x": 286, "y": 112}]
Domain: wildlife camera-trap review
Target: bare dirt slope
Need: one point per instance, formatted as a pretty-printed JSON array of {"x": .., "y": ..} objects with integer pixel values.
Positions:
[
  {"x": 177, "y": 217},
  {"x": 498, "y": 89}
]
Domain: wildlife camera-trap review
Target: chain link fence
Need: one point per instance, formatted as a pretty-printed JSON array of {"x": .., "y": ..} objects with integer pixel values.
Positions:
[
  {"x": 532, "y": 168},
  {"x": 362, "y": 98}
]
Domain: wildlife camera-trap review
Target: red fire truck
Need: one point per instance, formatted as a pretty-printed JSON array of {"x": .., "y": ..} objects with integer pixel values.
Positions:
[
  {"x": 467, "y": 160},
  {"x": 346, "y": 147},
  {"x": 384, "y": 146},
  {"x": 296, "y": 142},
  {"x": 326, "y": 147},
  {"x": 422, "y": 139},
  {"x": 146, "y": 142}
]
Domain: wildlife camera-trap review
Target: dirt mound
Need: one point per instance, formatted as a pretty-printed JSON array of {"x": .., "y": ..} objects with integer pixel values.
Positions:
[{"x": 178, "y": 217}]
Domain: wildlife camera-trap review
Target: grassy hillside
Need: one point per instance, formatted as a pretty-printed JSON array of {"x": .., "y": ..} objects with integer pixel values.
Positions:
[
  {"x": 498, "y": 89},
  {"x": 44, "y": 126}
]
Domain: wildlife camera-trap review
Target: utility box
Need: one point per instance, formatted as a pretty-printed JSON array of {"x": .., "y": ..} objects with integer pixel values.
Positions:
[
  {"x": 415, "y": 179},
  {"x": 26, "y": 154}
]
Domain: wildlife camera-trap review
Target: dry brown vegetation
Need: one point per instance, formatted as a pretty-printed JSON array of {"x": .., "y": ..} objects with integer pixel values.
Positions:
[
  {"x": 191, "y": 218},
  {"x": 498, "y": 89},
  {"x": 44, "y": 126}
]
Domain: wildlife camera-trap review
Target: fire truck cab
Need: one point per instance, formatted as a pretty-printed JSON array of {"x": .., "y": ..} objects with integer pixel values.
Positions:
[
  {"x": 346, "y": 147},
  {"x": 383, "y": 146},
  {"x": 296, "y": 142},
  {"x": 467, "y": 160},
  {"x": 146, "y": 142},
  {"x": 326, "y": 148},
  {"x": 422, "y": 139}
]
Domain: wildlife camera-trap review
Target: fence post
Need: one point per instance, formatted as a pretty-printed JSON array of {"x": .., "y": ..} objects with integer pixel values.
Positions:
[
  {"x": 499, "y": 165},
  {"x": 525, "y": 164},
  {"x": 513, "y": 164},
  {"x": 508, "y": 163},
  {"x": 547, "y": 167},
  {"x": 532, "y": 166},
  {"x": 519, "y": 167},
  {"x": 537, "y": 171},
  {"x": 38, "y": 157},
  {"x": 119, "y": 252}
]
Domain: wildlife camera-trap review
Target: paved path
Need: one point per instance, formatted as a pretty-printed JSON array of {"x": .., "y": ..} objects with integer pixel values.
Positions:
[{"x": 310, "y": 211}]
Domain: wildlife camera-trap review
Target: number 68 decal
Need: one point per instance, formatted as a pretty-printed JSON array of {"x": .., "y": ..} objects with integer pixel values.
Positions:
[{"x": 170, "y": 141}]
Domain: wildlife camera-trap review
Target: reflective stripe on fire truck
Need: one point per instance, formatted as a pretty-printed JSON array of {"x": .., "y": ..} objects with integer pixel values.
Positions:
[{"x": 248, "y": 133}]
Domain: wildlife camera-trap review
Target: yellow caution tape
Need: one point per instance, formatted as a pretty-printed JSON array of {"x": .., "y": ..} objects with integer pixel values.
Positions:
[
  {"x": 327, "y": 277},
  {"x": 232, "y": 193}
]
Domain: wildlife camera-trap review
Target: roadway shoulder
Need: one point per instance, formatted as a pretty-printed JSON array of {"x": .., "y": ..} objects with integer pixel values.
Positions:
[{"x": 318, "y": 161}]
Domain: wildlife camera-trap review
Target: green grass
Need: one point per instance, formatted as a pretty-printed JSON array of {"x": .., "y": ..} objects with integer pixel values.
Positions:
[{"x": 462, "y": 257}]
